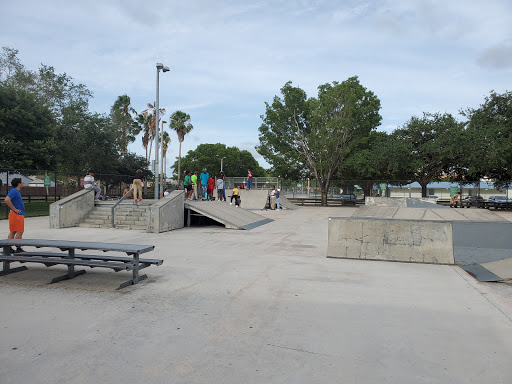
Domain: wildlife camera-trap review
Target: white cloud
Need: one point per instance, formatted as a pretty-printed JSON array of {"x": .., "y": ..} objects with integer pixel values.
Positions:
[{"x": 228, "y": 57}]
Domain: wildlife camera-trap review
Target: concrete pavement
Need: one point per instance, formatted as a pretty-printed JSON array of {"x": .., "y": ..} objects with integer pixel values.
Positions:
[{"x": 257, "y": 306}]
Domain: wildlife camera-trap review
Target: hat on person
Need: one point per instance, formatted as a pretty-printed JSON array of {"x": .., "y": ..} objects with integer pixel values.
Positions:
[{"x": 204, "y": 169}]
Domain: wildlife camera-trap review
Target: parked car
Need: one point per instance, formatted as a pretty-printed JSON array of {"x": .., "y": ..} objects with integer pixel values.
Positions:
[
  {"x": 473, "y": 200},
  {"x": 499, "y": 201},
  {"x": 348, "y": 199}
]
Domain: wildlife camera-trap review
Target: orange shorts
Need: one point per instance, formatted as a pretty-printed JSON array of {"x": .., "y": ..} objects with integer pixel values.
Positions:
[{"x": 16, "y": 222}]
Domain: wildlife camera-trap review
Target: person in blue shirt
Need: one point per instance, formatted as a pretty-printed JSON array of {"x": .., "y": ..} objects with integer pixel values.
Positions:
[
  {"x": 204, "y": 182},
  {"x": 17, "y": 213}
]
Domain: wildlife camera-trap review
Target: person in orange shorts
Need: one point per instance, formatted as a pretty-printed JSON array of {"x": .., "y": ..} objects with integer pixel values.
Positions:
[{"x": 17, "y": 213}]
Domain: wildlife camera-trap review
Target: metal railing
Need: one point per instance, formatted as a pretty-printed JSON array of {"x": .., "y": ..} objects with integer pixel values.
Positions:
[{"x": 112, "y": 210}]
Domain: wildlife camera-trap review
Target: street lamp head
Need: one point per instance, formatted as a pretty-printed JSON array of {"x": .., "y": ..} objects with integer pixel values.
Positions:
[
  {"x": 165, "y": 69},
  {"x": 159, "y": 66}
]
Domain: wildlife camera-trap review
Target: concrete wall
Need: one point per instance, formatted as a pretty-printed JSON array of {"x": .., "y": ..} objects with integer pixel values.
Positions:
[
  {"x": 386, "y": 201},
  {"x": 389, "y": 239},
  {"x": 69, "y": 211},
  {"x": 168, "y": 213},
  {"x": 402, "y": 202}
]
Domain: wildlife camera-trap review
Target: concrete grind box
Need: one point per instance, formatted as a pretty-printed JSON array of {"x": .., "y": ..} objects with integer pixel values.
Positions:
[
  {"x": 425, "y": 241},
  {"x": 391, "y": 239}
]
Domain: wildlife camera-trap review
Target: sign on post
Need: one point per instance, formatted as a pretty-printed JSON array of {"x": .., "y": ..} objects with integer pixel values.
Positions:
[
  {"x": 47, "y": 181},
  {"x": 383, "y": 187},
  {"x": 454, "y": 190}
]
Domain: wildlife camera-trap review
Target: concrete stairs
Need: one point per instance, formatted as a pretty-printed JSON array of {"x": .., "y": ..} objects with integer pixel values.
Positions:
[{"x": 127, "y": 216}]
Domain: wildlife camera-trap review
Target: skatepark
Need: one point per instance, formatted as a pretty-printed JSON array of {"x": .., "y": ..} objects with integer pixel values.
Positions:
[{"x": 256, "y": 306}]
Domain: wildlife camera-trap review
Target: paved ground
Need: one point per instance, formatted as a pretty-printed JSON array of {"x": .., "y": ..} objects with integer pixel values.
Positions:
[{"x": 258, "y": 306}]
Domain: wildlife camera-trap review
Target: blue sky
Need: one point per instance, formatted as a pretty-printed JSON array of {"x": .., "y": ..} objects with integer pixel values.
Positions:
[{"x": 228, "y": 58}]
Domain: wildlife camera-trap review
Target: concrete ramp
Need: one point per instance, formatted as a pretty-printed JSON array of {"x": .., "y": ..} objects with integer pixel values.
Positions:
[
  {"x": 259, "y": 199},
  {"x": 254, "y": 198},
  {"x": 228, "y": 215},
  {"x": 287, "y": 204}
]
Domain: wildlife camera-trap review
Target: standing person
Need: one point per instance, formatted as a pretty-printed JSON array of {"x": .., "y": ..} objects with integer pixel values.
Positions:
[
  {"x": 209, "y": 191},
  {"x": 249, "y": 179},
  {"x": 273, "y": 198},
  {"x": 17, "y": 212},
  {"x": 166, "y": 192},
  {"x": 220, "y": 188},
  {"x": 204, "y": 182},
  {"x": 278, "y": 192},
  {"x": 235, "y": 195},
  {"x": 187, "y": 184},
  {"x": 195, "y": 184},
  {"x": 138, "y": 181},
  {"x": 223, "y": 177},
  {"x": 89, "y": 183}
]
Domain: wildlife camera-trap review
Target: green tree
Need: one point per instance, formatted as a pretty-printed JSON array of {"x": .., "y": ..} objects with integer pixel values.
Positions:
[
  {"x": 382, "y": 159},
  {"x": 433, "y": 143},
  {"x": 28, "y": 135},
  {"x": 165, "y": 146},
  {"x": 489, "y": 131},
  {"x": 127, "y": 128},
  {"x": 180, "y": 122},
  {"x": 236, "y": 162},
  {"x": 318, "y": 133}
]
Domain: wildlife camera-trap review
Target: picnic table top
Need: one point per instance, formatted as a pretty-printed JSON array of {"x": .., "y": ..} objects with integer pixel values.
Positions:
[{"x": 82, "y": 245}]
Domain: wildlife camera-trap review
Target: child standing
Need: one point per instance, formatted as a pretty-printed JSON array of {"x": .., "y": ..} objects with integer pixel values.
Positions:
[
  {"x": 220, "y": 188},
  {"x": 209, "y": 190}
]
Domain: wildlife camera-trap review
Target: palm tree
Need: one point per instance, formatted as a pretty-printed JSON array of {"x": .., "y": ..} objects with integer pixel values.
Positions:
[
  {"x": 150, "y": 113},
  {"x": 143, "y": 121},
  {"x": 165, "y": 145},
  {"x": 121, "y": 113},
  {"x": 180, "y": 122}
]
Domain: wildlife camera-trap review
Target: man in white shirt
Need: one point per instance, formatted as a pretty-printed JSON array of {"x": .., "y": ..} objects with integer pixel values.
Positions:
[
  {"x": 273, "y": 198},
  {"x": 90, "y": 183}
]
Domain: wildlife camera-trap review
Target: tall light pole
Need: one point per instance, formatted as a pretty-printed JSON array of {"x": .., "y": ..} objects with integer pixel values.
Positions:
[
  {"x": 162, "y": 159},
  {"x": 222, "y": 164},
  {"x": 159, "y": 66}
]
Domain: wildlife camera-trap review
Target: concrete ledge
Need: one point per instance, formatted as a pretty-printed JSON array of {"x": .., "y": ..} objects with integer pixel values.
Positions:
[
  {"x": 167, "y": 213},
  {"x": 69, "y": 211},
  {"x": 391, "y": 239},
  {"x": 402, "y": 202}
]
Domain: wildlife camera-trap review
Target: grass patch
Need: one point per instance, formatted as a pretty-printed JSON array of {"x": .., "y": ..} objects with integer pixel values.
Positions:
[{"x": 34, "y": 209}]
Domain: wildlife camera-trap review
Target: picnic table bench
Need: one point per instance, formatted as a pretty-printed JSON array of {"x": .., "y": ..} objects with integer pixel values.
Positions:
[{"x": 68, "y": 256}]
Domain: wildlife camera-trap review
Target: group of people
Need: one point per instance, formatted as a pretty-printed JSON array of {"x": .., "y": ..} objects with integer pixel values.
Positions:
[
  {"x": 198, "y": 186},
  {"x": 202, "y": 187}
]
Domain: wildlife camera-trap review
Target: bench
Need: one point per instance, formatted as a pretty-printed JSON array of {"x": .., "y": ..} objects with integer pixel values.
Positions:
[{"x": 69, "y": 257}]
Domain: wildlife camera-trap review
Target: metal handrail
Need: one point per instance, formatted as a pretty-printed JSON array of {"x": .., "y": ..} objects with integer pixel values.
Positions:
[{"x": 116, "y": 204}]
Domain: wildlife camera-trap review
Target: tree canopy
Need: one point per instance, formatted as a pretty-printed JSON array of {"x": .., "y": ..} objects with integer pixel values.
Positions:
[
  {"x": 316, "y": 135},
  {"x": 45, "y": 123},
  {"x": 236, "y": 162},
  {"x": 490, "y": 133}
]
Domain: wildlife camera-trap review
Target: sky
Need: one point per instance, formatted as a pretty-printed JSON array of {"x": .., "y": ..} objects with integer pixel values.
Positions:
[{"x": 227, "y": 58}]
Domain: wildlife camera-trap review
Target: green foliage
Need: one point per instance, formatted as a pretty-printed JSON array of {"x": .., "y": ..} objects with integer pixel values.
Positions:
[
  {"x": 125, "y": 124},
  {"x": 433, "y": 146},
  {"x": 236, "y": 162},
  {"x": 28, "y": 135},
  {"x": 314, "y": 136},
  {"x": 490, "y": 133}
]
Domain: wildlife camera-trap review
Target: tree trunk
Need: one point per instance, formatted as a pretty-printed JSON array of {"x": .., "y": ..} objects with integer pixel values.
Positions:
[
  {"x": 367, "y": 188},
  {"x": 179, "y": 167},
  {"x": 423, "y": 188},
  {"x": 324, "y": 188}
]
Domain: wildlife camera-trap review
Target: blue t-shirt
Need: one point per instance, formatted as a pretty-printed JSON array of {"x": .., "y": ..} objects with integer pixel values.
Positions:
[
  {"x": 16, "y": 200},
  {"x": 204, "y": 178}
]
